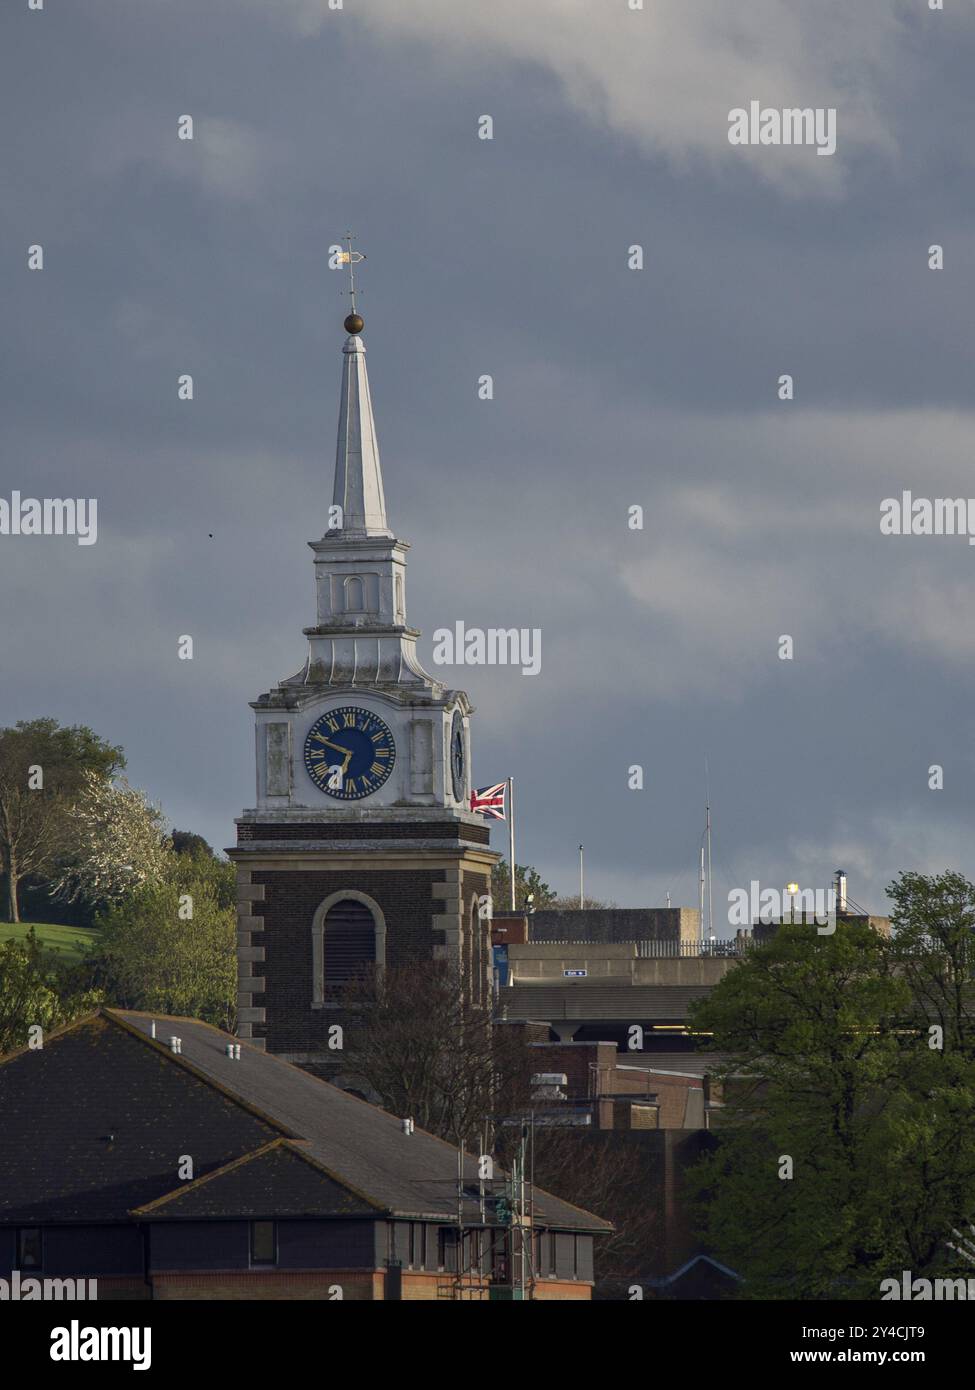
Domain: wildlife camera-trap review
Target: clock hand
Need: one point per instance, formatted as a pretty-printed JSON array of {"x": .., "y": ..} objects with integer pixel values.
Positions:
[
  {"x": 339, "y": 747},
  {"x": 346, "y": 751}
]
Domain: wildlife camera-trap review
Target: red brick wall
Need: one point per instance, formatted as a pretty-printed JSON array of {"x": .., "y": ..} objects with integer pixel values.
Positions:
[
  {"x": 356, "y": 1285},
  {"x": 268, "y": 1285}
]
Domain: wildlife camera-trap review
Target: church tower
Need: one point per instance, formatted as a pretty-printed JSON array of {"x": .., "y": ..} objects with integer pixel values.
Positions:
[{"x": 361, "y": 849}]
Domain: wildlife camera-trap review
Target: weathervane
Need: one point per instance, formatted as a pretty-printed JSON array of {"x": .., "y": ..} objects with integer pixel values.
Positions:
[{"x": 351, "y": 259}]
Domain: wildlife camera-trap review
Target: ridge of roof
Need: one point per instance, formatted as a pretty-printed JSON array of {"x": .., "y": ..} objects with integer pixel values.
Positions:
[
  {"x": 269, "y": 1057},
  {"x": 292, "y": 1146},
  {"x": 115, "y": 1017},
  {"x": 123, "y": 1018},
  {"x": 53, "y": 1036},
  {"x": 197, "y": 1183},
  {"x": 313, "y": 1161}
]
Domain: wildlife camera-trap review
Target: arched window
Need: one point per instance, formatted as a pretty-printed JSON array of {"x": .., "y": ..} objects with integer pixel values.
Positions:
[
  {"x": 350, "y": 942},
  {"x": 399, "y": 598},
  {"x": 355, "y": 596},
  {"x": 348, "y": 937}
]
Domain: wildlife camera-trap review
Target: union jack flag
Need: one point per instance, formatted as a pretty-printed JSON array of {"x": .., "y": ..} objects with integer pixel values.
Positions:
[{"x": 489, "y": 801}]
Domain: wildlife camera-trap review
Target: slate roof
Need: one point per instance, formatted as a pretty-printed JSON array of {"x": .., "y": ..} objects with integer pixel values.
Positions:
[
  {"x": 95, "y": 1123},
  {"x": 105, "y": 1112}
]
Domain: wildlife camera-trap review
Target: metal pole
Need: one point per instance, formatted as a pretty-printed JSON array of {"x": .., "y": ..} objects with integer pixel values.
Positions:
[
  {"x": 480, "y": 1179},
  {"x": 460, "y": 1220},
  {"x": 710, "y": 903},
  {"x": 511, "y": 836},
  {"x": 701, "y": 896},
  {"x": 531, "y": 1201},
  {"x": 582, "y": 898},
  {"x": 522, "y": 1215}
]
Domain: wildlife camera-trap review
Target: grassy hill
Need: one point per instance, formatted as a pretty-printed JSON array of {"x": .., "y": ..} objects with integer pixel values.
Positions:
[{"x": 69, "y": 944}]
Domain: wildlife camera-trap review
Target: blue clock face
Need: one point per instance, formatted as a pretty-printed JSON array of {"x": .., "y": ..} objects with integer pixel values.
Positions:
[{"x": 349, "y": 753}]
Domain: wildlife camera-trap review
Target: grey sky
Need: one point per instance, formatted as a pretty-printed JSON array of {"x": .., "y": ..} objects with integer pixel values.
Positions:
[{"x": 613, "y": 387}]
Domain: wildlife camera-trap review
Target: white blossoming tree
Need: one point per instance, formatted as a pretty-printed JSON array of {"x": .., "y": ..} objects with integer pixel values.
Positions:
[{"x": 118, "y": 843}]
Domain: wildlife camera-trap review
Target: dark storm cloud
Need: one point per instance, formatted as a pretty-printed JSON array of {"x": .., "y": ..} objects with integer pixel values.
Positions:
[{"x": 612, "y": 388}]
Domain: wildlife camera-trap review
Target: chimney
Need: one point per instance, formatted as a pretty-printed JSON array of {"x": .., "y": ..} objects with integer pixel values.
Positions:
[
  {"x": 153, "y": 1028},
  {"x": 233, "y": 1051},
  {"x": 406, "y": 1126},
  {"x": 176, "y": 1045},
  {"x": 839, "y": 886}
]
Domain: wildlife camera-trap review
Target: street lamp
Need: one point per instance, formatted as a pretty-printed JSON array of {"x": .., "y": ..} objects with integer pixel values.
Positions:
[{"x": 792, "y": 889}]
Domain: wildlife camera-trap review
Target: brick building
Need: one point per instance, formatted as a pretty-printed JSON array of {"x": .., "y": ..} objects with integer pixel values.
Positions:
[
  {"x": 662, "y": 1116},
  {"x": 606, "y": 1089},
  {"x": 179, "y": 1170}
]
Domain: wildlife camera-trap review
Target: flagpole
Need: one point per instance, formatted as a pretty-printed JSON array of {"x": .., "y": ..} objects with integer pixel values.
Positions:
[
  {"x": 511, "y": 836},
  {"x": 701, "y": 932},
  {"x": 707, "y": 786}
]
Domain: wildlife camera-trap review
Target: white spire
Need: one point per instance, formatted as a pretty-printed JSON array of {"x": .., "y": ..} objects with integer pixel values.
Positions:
[{"x": 358, "y": 476}]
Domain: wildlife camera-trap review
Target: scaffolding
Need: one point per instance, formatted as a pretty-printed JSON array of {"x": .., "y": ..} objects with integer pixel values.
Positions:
[{"x": 510, "y": 1272}]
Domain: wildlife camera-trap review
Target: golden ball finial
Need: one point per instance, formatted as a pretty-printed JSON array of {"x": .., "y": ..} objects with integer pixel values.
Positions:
[{"x": 354, "y": 323}]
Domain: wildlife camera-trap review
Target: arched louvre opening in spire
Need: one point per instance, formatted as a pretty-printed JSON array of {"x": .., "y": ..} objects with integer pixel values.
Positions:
[
  {"x": 358, "y": 476},
  {"x": 349, "y": 944}
]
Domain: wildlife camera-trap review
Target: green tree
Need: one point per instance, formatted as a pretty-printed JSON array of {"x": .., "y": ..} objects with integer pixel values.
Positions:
[
  {"x": 170, "y": 946},
  {"x": 934, "y": 930},
  {"x": 42, "y": 771},
  {"x": 527, "y": 880},
  {"x": 196, "y": 861},
  {"x": 842, "y": 1155},
  {"x": 932, "y": 951},
  {"x": 188, "y": 842},
  {"x": 571, "y": 904},
  {"x": 32, "y": 992}
]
